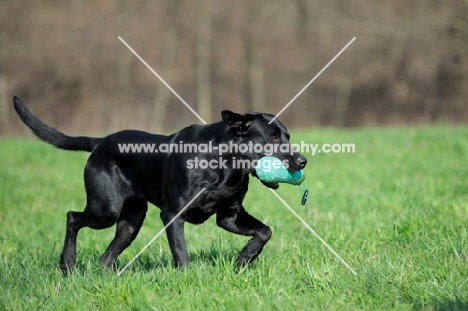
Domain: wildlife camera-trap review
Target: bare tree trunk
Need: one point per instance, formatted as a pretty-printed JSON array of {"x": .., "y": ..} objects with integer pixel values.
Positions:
[
  {"x": 124, "y": 65},
  {"x": 169, "y": 53},
  {"x": 255, "y": 56},
  {"x": 5, "y": 100},
  {"x": 5, "y": 103},
  {"x": 301, "y": 23},
  {"x": 304, "y": 31},
  {"x": 342, "y": 102},
  {"x": 203, "y": 60}
]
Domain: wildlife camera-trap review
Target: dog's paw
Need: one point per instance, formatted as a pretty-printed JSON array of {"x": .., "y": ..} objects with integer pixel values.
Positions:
[
  {"x": 66, "y": 264},
  {"x": 241, "y": 262},
  {"x": 107, "y": 261},
  {"x": 66, "y": 269}
]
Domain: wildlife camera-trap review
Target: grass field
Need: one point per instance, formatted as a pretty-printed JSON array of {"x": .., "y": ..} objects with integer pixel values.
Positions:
[{"x": 396, "y": 211}]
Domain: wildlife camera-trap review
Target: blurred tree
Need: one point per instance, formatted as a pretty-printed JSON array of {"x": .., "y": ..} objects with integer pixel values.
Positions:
[
  {"x": 5, "y": 99},
  {"x": 344, "y": 86},
  {"x": 255, "y": 55},
  {"x": 204, "y": 60},
  {"x": 124, "y": 73},
  {"x": 168, "y": 58}
]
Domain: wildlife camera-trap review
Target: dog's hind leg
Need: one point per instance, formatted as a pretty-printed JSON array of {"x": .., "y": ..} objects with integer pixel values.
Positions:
[
  {"x": 107, "y": 190},
  {"x": 102, "y": 211},
  {"x": 240, "y": 222},
  {"x": 128, "y": 225},
  {"x": 75, "y": 222}
]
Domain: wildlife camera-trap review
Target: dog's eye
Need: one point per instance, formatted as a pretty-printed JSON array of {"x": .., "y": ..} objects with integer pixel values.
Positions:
[{"x": 274, "y": 139}]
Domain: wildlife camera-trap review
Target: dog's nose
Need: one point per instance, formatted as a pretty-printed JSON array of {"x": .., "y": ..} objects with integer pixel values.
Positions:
[{"x": 301, "y": 161}]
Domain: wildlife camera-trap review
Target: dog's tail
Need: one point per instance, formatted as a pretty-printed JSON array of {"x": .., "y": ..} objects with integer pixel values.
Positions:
[{"x": 51, "y": 135}]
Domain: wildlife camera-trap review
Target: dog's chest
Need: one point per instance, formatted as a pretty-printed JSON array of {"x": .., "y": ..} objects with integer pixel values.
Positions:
[
  {"x": 215, "y": 199},
  {"x": 200, "y": 214}
]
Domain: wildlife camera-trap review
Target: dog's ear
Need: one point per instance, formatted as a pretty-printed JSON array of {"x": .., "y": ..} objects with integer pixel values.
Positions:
[{"x": 240, "y": 122}]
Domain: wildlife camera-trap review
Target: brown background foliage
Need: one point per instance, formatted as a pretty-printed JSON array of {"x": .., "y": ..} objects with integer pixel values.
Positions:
[{"x": 409, "y": 64}]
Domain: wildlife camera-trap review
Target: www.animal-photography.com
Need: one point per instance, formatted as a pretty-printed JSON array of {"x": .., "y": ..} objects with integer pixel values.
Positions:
[{"x": 234, "y": 155}]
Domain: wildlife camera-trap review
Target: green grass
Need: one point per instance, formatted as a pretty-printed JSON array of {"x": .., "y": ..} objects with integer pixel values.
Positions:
[{"x": 396, "y": 211}]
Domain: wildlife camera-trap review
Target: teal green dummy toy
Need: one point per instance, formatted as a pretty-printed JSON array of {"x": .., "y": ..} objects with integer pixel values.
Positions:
[{"x": 272, "y": 170}]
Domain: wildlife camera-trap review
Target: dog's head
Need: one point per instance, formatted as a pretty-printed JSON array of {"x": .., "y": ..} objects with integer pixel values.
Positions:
[{"x": 253, "y": 129}]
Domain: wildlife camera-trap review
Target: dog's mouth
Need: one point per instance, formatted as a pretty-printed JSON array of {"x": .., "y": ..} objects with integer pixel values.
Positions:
[
  {"x": 292, "y": 166},
  {"x": 268, "y": 184},
  {"x": 271, "y": 185},
  {"x": 293, "y": 163}
]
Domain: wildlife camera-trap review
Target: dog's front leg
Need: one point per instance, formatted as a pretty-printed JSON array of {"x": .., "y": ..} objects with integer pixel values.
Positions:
[
  {"x": 176, "y": 238},
  {"x": 240, "y": 222}
]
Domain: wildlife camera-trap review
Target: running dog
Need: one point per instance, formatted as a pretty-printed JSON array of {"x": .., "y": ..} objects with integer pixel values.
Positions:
[{"x": 119, "y": 184}]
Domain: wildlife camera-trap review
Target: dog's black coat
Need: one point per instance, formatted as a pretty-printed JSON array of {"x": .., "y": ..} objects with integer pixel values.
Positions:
[{"x": 119, "y": 185}]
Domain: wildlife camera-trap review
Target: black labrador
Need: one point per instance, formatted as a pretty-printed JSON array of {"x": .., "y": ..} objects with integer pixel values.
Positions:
[{"x": 119, "y": 184}]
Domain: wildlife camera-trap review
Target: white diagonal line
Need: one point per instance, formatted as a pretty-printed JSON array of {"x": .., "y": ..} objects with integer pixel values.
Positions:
[
  {"x": 160, "y": 232},
  {"x": 314, "y": 233},
  {"x": 316, "y": 76},
  {"x": 162, "y": 80}
]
